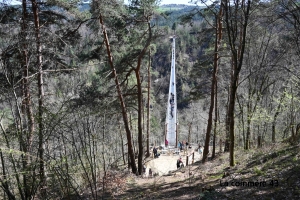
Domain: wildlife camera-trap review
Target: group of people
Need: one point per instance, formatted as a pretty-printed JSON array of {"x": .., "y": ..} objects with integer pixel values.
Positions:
[{"x": 183, "y": 144}]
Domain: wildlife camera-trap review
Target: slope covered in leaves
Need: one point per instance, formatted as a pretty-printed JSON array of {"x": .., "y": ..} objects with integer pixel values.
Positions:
[{"x": 268, "y": 173}]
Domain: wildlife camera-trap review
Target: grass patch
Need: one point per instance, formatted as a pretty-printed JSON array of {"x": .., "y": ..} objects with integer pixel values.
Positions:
[
  {"x": 295, "y": 158},
  {"x": 258, "y": 172},
  {"x": 216, "y": 176}
]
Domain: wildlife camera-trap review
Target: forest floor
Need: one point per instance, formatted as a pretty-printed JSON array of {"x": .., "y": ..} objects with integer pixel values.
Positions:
[{"x": 271, "y": 172}]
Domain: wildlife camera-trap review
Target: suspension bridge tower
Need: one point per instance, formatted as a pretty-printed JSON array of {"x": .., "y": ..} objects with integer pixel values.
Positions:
[{"x": 171, "y": 116}]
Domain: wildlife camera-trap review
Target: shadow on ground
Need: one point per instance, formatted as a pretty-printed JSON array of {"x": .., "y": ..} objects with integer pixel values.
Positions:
[{"x": 263, "y": 175}]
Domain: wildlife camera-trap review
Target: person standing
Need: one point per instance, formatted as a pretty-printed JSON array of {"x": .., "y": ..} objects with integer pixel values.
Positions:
[
  {"x": 150, "y": 173},
  {"x": 179, "y": 145},
  {"x": 155, "y": 152},
  {"x": 200, "y": 149}
]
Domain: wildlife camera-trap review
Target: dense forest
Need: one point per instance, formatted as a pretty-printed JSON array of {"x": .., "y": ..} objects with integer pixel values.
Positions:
[{"x": 83, "y": 87}]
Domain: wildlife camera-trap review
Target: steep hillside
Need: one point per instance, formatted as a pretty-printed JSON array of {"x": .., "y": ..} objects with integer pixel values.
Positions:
[{"x": 269, "y": 173}]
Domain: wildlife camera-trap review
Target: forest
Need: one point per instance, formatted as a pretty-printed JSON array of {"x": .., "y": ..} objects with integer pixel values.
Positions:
[{"x": 83, "y": 87}]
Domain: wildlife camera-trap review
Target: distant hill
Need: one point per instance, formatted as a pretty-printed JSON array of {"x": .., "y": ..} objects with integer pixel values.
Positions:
[{"x": 172, "y": 7}]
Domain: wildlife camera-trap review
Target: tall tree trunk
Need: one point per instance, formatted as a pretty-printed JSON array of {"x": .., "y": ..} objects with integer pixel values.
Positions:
[
  {"x": 121, "y": 98},
  {"x": 218, "y": 37},
  {"x": 40, "y": 94},
  {"x": 216, "y": 122},
  {"x": 292, "y": 115},
  {"x": 241, "y": 106},
  {"x": 248, "y": 128},
  {"x": 231, "y": 118},
  {"x": 227, "y": 142},
  {"x": 140, "y": 129},
  {"x": 236, "y": 34},
  {"x": 131, "y": 128},
  {"x": 275, "y": 118},
  {"x": 209, "y": 121},
  {"x": 148, "y": 105},
  {"x": 122, "y": 144},
  {"x": 258, "y": 137},
  {"x": 140, "y": 100},
  {"x": 103, "y": 151},
  {"x": 26, "y": 103}
]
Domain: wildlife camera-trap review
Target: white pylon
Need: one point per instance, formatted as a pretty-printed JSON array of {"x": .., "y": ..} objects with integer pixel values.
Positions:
[{"x": 171, "y": 116}]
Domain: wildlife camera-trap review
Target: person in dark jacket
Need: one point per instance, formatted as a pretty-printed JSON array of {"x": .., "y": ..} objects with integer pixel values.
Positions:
[
  {"x": 179, "y": 163},
  {"x": 155, "y": 152}
]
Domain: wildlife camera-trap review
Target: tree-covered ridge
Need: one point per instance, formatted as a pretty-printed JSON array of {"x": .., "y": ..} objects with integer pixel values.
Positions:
[{"x": 84, "y": 90}]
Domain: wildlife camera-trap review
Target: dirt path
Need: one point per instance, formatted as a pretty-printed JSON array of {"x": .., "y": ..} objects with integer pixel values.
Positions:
[{"x": 167, "y": 161}]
